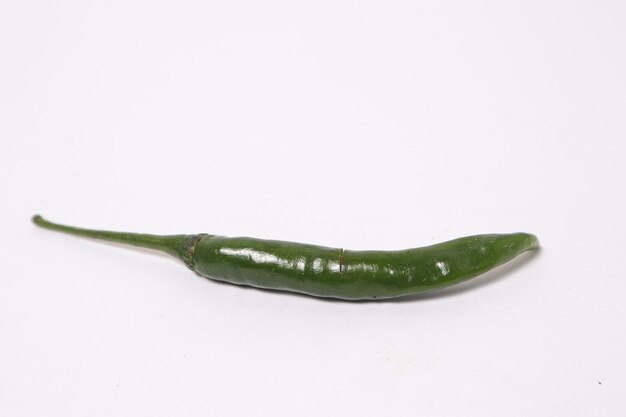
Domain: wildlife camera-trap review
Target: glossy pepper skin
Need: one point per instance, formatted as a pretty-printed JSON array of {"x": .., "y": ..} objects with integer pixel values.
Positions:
[{"x": 328, "y": 272}]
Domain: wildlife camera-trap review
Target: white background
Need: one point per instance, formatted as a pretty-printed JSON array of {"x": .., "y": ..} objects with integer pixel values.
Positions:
[{"x": 366, "y": 125}]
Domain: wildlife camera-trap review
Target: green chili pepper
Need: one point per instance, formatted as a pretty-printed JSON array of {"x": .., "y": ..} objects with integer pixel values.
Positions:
[{"x": 327, "y": 272}]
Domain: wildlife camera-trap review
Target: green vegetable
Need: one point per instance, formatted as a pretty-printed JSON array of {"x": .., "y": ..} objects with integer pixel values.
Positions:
[{"x": 323, "y": 271}]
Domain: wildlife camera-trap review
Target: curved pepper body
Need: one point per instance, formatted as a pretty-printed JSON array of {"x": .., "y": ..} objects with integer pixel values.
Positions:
[
  {"x": 327, "y": 272},
  {"x": 353, "y": 275}
]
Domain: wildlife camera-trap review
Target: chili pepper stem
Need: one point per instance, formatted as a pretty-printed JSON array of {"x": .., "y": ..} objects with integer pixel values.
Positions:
[{"x": 179, "y": 246}]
